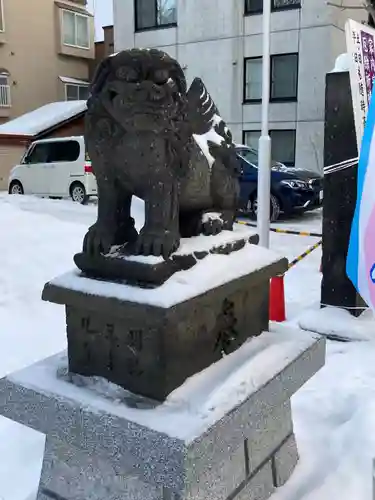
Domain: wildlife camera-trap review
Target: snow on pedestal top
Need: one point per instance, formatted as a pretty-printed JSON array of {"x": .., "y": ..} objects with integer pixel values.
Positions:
[
  {"x": 196, "y": 405},
  {"x": 210, "y": 272},
  {"x": 202, "y": 243}
]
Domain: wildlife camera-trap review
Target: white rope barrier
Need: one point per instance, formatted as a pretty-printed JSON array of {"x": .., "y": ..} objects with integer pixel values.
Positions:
[{"x": 337, "y": 167}]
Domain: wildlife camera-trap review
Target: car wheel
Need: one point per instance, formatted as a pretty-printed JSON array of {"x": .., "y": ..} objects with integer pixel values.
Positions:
[
  {"x": 275, "y": 209},
  {"x": 78, "y": 193},
  {"x": 15, "y": 188}
]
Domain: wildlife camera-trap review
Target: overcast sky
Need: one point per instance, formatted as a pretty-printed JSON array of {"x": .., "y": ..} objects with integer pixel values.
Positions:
[{"x": 103, "y": 15}]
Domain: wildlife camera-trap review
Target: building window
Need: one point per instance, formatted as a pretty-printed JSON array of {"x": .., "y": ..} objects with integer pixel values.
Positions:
[
  {"x": 151, "y": 14},
  {"x": 75, "y": 29},
  {"x": 284, "y": 78},
  {"x": 4, "y": 90},
  {"x": 256, "y": 6},
  {"x": 285, "y": 4},
  {"x": 1, "y": 15},
  {"x": 253, "y": 80},
  {"x": 283, "y": 144},
  {"x": 251, "y": 138},
  {"x": 76, "y": 92},
  {"x": 253, "y": 6}
]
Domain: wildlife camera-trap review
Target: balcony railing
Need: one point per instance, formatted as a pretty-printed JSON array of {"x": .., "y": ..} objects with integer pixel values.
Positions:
[{"x": 5, "y": 96}]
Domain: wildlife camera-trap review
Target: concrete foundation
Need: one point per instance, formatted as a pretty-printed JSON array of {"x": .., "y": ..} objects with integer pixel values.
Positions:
[{"x": 226, "y": 434}]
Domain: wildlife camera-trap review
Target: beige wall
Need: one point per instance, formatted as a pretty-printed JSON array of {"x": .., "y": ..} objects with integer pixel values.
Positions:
[
  {"x": 10, "y": 155},
  {"x": 34, "y": 56}
]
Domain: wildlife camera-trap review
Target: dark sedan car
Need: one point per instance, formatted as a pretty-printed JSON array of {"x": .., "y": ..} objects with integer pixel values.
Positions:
[{"x": 292, "y": 189}]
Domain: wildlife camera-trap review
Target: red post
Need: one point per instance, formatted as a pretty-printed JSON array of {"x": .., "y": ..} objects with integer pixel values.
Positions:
[{"x": 277, "y": 299}]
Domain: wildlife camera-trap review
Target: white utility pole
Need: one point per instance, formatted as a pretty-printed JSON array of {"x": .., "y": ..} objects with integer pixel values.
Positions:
[{"x": 264, "y": 173}]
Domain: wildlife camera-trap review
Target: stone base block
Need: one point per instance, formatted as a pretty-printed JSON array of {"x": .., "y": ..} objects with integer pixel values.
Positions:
[
  {"x": 284, "y": 461},
  {"x": 132, "y": 338},
  {"x": 75, "y": 474},
  {"x": 259, "y": 487},
  {"x": 227, "y": 433}
]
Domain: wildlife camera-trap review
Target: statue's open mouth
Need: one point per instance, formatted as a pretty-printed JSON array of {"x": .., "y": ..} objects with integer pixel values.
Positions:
[{"x": 112, "y": 95}]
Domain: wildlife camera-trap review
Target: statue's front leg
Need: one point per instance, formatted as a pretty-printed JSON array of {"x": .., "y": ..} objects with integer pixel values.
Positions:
[
  {"x": 160, "y": 234},
  {"x": 101, "y": 235}
]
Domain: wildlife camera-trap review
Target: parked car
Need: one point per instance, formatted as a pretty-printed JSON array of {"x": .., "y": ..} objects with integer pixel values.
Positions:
[
  {"x": 291, "y": 189},
  {"x": 58, "y": 167}
]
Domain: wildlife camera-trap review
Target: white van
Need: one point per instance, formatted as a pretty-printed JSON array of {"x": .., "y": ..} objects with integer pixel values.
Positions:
[{"x": 58, "y": 167}]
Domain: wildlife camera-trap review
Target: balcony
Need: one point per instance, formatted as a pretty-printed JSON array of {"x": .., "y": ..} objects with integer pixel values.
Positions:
[{"x": 5, "y": 101}]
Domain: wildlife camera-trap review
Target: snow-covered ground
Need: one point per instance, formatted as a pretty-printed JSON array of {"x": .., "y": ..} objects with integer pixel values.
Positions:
[{"x": 332, "y": 412}]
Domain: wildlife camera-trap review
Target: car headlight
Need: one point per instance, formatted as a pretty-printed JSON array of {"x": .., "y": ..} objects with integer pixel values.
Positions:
[{"x": 295, "y": 184}]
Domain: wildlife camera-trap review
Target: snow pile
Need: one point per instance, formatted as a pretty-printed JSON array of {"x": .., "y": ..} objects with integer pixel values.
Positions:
[
  {"x": 342, "y": 63},
  {"x": 336, "y": 323},
  {"x": 22, "y": 451},
  {"x": 334, "y": 421},
  {"x": 40, "y": 242},
  {"x": 333, "y": 414},
  {"x": 43, "y": 118}
]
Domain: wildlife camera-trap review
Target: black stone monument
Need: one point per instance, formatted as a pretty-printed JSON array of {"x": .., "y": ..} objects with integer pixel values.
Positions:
[{"x": 340, "y": 194}]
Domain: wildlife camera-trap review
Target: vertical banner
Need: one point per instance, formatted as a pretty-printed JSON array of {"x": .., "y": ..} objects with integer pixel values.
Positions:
[{"x": 360, "y": 41}]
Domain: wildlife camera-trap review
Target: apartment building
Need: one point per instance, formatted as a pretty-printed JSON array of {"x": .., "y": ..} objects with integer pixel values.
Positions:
[
  {"x": 45, "y": 50},
  {"x": 221, "y": 42}
]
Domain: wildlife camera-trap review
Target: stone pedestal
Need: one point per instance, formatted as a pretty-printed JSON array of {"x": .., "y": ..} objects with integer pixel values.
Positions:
[
  {"x": 227, "y": 433},
  {"x": 150, "y": 341}
]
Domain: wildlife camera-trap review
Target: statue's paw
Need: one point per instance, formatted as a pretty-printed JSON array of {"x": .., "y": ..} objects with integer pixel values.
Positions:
[
  {"x": 212, "y": 224},
  {"x": 125, "y": 234},
  {"x": 98, "y": 240},
  {"x": 159, "y": 243}
]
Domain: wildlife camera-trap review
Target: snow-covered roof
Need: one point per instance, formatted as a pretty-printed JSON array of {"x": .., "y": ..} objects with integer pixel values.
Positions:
[
  {"x": 43, "y": 118},
  {"x": 73, "y": 81}
]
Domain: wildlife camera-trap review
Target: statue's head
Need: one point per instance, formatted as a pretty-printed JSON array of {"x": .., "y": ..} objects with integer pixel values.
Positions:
[{"x": 141, "y": 89}]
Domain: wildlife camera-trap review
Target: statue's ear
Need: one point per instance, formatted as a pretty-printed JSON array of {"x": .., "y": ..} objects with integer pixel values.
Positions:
[{"x": 100, "y": 76}]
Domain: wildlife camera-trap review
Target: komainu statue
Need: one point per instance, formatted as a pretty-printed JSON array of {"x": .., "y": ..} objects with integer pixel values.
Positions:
[{"x": 150, "y": 137}]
